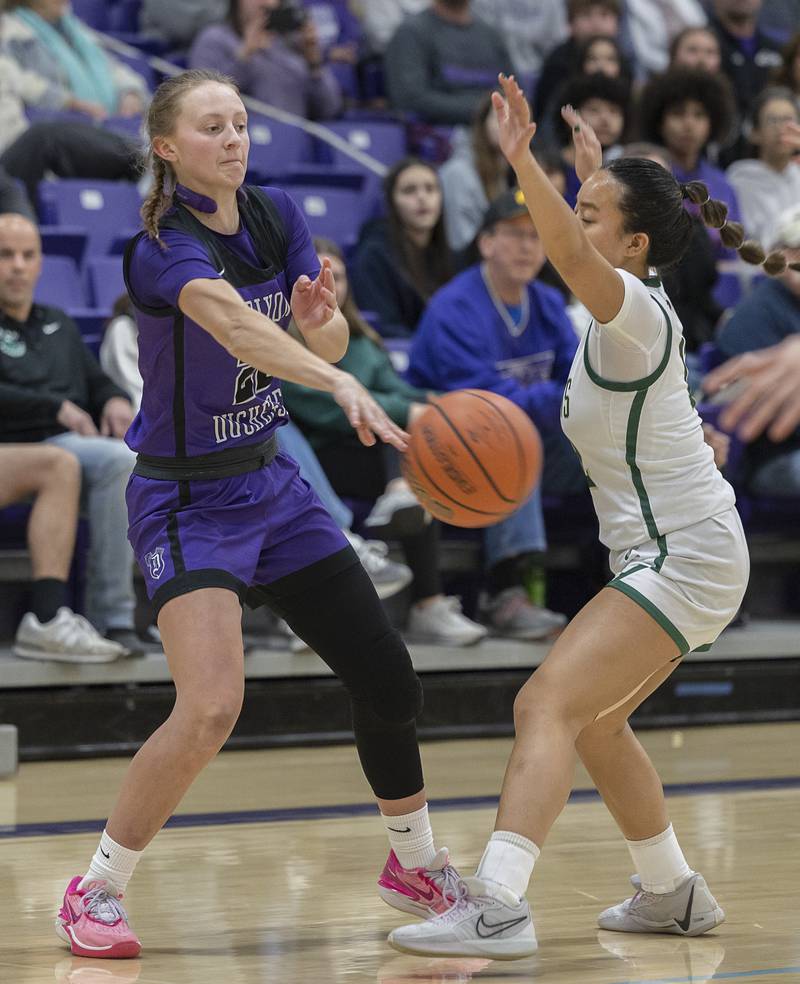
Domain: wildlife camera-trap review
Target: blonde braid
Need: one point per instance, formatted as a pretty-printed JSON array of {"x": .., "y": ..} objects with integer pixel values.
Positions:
[{"x": 159, "y": 198}]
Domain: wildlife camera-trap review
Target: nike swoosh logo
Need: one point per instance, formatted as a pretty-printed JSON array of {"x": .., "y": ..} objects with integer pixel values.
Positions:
[
  {"x": 683, "y": 924},
  {"x": 405, "y": 830},
  {"x": 104, "y": 854},
  {"x": 496, "y": 928},
  {"x": 51, "y": 328},
  {"x": 221, "y": 273}
]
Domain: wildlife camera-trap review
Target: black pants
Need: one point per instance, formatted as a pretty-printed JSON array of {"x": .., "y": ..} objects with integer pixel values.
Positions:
[
  {"x": 362, "y": 472},
  {"x": 13, "y": 197},
  {"x": 332, "y": 606},
  {"x": 70, "y": 150}
]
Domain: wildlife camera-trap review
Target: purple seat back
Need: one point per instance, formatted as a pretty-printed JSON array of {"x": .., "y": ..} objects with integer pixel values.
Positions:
[
  {"x": 101, "y": 207},
  {"x": 106, "y": 282},
  {"x": 60, "y": 284}
]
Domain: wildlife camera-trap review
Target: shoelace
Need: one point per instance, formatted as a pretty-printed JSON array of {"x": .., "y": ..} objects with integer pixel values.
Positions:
[
  {"x": 103, "y": 907},
  {"x": 447, "y": 880},
  {"x": 462, "y": 902}
]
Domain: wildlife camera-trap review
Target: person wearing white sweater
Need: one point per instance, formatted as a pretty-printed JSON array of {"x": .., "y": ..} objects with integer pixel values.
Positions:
[{"x": 769, "y": 185}]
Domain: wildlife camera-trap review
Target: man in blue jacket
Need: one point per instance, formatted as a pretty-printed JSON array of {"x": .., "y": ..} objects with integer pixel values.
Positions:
[{"x": 495, "y": 327}]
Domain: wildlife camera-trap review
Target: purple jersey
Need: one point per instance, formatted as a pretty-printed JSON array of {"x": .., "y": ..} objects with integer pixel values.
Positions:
[{"x": 198, "y": 399}]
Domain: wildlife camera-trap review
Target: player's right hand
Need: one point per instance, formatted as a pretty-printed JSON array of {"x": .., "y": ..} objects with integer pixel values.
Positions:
[
  {"x": 368, "y": 418},
  {"x": 76, "y": 420}
]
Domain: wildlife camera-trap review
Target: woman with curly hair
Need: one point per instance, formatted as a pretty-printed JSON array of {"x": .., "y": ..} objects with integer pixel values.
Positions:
[{"x": 687, "y": 110}]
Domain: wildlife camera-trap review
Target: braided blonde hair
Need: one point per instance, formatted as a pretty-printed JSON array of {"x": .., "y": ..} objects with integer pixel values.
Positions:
[{"x": 161, "y": 119}]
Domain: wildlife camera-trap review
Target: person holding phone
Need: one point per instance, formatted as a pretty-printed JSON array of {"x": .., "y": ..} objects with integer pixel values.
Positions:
[{"x": 272, "y": 50}]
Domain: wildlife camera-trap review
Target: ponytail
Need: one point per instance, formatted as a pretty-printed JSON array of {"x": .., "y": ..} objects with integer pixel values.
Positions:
[
  {"x": 715, "y": 215},
  {"x": 159, "y": 198}
]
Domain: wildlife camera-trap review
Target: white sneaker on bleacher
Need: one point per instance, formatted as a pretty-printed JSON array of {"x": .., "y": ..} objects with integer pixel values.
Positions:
[{"x": 68, "y": 638}]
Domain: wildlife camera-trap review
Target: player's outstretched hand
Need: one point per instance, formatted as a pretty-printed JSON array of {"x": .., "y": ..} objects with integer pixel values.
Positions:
[
  {"x": 368, "y": 418},
  {"x": 514, "y": 120},
  {"x": 588, "y": 151},
  {"x": 314, "y": 301},
  {"x": 767, "y": 391}
]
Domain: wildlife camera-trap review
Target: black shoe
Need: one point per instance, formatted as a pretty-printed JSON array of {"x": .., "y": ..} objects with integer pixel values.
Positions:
[{"x": 135, "y": 643}]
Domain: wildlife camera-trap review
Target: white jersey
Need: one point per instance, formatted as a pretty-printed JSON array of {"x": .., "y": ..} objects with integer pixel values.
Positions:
[{"x": 640, "y": 439}]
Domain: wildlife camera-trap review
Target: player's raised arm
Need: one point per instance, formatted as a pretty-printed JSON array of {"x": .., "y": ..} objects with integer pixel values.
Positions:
[{"x": 589, "y": 276}]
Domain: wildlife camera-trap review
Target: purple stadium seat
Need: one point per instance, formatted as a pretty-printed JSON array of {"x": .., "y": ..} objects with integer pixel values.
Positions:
[
  {"x": 95, "y": 13},
  {"x": 60, "y": 284},
  {"x": 275, "y": 147},
  {"x": 124, "y": 16},
  {"x": 386, "y": 142},
  {"x": 64, "y": 241},
  {"x": 106, "y": 282},
  {"x": 101, "y": 207},
  {"x": 336, "y": 213}
]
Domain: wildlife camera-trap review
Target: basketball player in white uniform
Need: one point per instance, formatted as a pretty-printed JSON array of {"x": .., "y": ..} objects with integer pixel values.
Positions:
[{"x": 678, "y": 552}]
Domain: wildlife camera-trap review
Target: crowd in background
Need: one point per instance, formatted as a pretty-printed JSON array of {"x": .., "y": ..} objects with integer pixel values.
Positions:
[{"x": 449, "y": 262}]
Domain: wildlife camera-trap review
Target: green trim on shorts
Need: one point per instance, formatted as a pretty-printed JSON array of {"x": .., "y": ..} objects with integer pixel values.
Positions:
[
  {"x": 655, "y": 613},
  {"x": 703, "y": 649},
  {"x": 658, "y": 563},
  {"x": 631, "y": 570}
]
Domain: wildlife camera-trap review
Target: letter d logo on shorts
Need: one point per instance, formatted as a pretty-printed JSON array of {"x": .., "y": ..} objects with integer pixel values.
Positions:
[{"x": 155, "y": 562}]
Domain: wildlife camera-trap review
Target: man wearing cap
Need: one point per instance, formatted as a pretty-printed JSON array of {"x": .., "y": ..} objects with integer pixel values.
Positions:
[
  {"x": 495, "y": 327},
  {"x": 768, "y": 315}
]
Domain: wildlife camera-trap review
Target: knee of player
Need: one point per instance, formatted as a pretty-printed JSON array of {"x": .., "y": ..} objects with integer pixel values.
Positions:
[
  {"x": 393, "y": 695},
  {"x": 544, "y": 702},
  {"x": 212, "y": 719}
]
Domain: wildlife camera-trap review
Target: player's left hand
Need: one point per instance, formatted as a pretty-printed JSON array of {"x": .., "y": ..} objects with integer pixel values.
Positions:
[
  {"x": 314, "y": 301},
  {"x": 116, "y": 417},
  {"x": 588, "y": 151}
]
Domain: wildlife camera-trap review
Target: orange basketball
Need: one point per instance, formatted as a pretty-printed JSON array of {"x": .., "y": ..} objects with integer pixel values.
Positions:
[{"x": 473, "y": 458}]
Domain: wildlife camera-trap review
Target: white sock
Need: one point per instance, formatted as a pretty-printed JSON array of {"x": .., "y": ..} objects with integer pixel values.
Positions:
[
  {"x": 508, "y": 861},
  {"x": 411, "y": 838},
  {"x": 659, "y": 862},
  {"x": 112, "y": 862}
]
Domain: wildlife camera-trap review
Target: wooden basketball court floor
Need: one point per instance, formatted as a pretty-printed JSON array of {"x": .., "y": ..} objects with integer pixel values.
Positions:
[{"x": 267, "y": 872}]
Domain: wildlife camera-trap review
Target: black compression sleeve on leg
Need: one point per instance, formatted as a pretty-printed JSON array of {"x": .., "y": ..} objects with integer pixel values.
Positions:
[{"x": 343, "y": 621}]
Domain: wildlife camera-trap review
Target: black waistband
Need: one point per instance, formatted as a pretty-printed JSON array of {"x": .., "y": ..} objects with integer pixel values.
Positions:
[{"x": 219, "y": 464}]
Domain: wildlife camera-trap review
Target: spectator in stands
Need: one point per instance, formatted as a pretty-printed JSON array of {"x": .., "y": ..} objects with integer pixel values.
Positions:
[
  {"x": 284, "y": 70},
  {"x": 748, "y": 56},
  {"x": 496, "y": 327},
  {"x": 768, "y": 186},
  {"x": 587, "y": 18},
  {"x": 374, "y": 472},
  {"x": 474, "y": 175},
  {"x": 13, "y": 197},
  {"x": 340, "y": 32},
  {"x": 780, "y": 18},
  {"x": 599, "y": 53},
  {"x": 531, "y": 28},
  {"x": 770, "y": 314},
  {"x": 178, "y": 22},
  {"x": 50, "y": 630},
  {"x": 684, "y": 110},
  {"x": 402, "y": 259},
  {"x": 696, "y": 47},
  {"x": 53, "y": 390},
  {"x": 119, "y": 357},
  {"x": 440, "y": 63},
  {"x": 603, "y": 102},
  {"x": 65, "y": 63},
  {"x": 65, "y": 148},
  {"x": 652, "y": 24},
  {"x": 381, "y": 18},
  {"x": 788, "y": 74}
]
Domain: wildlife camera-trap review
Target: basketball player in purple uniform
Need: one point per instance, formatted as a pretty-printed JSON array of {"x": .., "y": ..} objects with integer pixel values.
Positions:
[{"x": 218, "y": 517}]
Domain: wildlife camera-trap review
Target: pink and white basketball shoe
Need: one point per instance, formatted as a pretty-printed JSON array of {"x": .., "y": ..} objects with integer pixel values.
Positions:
[
  {"x": 424, "y": 892},
  {"x": 94, "y": 923}
]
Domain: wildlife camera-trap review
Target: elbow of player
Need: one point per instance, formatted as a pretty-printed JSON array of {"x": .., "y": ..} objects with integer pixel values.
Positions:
[{"x": 237, "y": 336}]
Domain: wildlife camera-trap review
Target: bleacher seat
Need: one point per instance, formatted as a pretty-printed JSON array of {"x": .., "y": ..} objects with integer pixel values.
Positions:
[
  {"x": 95, "y": 13},
  {"x": 275, "y": 147},
  {"x": 106, "y": 283},
  {"x": 101, "y": 207},
  {"x": 64, "y": 241},
  {"x": 60, "y": 284},
  {"x": 336, "y": 213},
  {"x": 124, "y": 16},
  {"x": 385, "y": 141}
]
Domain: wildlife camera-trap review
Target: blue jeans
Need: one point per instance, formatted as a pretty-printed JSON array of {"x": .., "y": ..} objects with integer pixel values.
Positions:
[
  {"x": 106, "y": 465},
  {"x": 293, "y": 443},
  {"x": 524, "y": 530}
]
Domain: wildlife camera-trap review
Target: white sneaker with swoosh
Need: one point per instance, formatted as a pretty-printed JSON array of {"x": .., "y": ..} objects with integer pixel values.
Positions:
[
  {"x": 688, "y": 911},
  {"x": 486, "y": 920}
]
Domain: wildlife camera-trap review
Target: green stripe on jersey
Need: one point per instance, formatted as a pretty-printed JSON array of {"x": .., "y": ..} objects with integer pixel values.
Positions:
[
  {"x": 631, "y": 436},
  {"x": 636, "y": 384}
]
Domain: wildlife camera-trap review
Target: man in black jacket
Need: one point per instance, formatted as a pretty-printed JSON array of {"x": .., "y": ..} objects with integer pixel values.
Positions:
[{"x": 53, "y": 390}]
